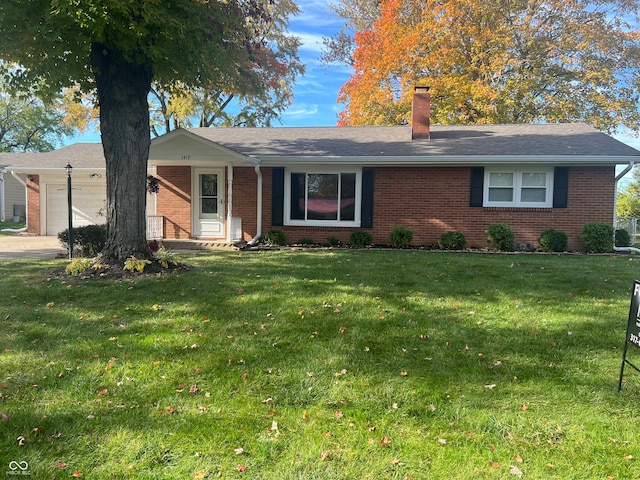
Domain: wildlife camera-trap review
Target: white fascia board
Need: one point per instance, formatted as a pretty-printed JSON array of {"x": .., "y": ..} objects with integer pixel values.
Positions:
[
  {"x": 40, "y": 170},
  {"x": 448, "y": 160}
]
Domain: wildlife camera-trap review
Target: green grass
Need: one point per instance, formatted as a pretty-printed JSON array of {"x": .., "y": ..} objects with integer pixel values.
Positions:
[
  {"x": 10, "y": 224},
  {"x": 323, "y": 365}
]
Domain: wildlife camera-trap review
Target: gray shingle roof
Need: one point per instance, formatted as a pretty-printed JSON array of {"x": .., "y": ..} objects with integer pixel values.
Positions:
[
  {"x": 569, "y": 140},
  {"x": 476, "y": 140},
  {"x": 79, "y": 155}
]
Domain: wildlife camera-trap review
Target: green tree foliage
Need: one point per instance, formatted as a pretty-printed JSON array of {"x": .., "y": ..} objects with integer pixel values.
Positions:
[
  {"x": 506, "y": 61},
  {"x": 117, "y": 48},
  {"x": 628, "y": 202},
  {"x": 28, "y": 124}
]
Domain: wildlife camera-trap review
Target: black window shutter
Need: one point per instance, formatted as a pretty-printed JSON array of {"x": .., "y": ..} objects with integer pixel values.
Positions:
[
  {"x": 366, "y": 211},
  {"x": 477, "y": 186},
  {"x": 277, "y": 197},
  {"x": 560, "y": 187}
]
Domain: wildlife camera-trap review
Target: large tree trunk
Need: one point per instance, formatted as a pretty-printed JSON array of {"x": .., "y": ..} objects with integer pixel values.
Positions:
[{"x": 123, "y": 86}]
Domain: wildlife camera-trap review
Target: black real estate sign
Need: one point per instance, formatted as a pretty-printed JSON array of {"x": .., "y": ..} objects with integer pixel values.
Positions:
[{"x": 633, "y": 329}]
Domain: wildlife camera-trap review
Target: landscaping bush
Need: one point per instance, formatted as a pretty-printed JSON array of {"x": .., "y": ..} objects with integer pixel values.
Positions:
[
  {"x": 622, "y": 238},
  {"x": 88, "y": 240},
  {"x": 501, "y": 237},
  {"x": 334, "y": 242},
  {"x": 306, "y": 241},
  {"x": 401, "y": 236},
  {"x": 360, "y": 238},
  {"x": 553, "y": 241},
  {"x": 597, "y": 237},
  {"x": 275, "y": 237},
  {"x": 452, "y": 241}
]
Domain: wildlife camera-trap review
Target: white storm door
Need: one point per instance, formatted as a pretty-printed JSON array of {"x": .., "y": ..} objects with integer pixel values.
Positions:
[{"x": 208, "y": 202}]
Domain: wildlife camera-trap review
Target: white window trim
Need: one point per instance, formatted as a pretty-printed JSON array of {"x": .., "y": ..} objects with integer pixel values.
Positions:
[
  {"x": 321, "y": 223},
  {"x": 517, "y": 172}
]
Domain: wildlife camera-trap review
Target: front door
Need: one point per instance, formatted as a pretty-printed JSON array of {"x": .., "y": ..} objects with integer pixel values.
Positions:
[{"x": 208, "y": 203}]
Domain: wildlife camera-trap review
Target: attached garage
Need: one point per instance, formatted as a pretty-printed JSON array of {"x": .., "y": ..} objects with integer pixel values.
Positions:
[{"x": 88, "y": 201}]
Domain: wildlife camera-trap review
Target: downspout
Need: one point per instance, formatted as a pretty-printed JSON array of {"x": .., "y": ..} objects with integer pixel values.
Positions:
[
  {"x": 2, "y": 195},
  {"x": 229, "y": 200},
  {"x": 26, "y": 212},
  {"x": 615, "y": 215},
  {"x": 258, "y": 235}
]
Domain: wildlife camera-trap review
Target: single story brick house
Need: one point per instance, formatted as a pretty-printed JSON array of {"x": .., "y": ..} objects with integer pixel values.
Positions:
[{"x": 235, "y": 184}]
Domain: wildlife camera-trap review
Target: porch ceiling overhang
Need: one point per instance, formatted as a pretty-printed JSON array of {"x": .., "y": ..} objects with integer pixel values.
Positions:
[{"x": 449, "y": 160}]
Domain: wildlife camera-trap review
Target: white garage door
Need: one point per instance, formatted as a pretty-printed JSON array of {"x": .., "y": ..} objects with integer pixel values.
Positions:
[{"x": 87, "y": 200}]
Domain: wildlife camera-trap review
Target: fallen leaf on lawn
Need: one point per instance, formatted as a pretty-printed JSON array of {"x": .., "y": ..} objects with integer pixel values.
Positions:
[
  {"x": 267, "y": 401},
  {"x": 518, "y": 458},
  {"x": 170, "y": 409},
  {"x": 206, "y": 319},
  {"x": 550, "y": 465},
  {"x": 515, "y": 471},
  {"x": 403, "y": 373},
  {"x": 494, "y": 464},
  {"x": 524, "y": 407},
  {"x": 238, "y": 451},
  {"x": 343, "y": 329},
  {"x": 113, "y": 339},
  {"x": 442, "y": 441},
  {"x": 385, "y": 442},
  {"x": 199, "y": 475},
  {"x": 5, "y": 418},
  {"x": 325, "y": 455},
  {"x": 193, "y": 389},
  {"x": 628, "y": 457},
  {"x": 21, "y": 441},
  {"x": 305, "y": 415},
  {"x": 156, "y": 363},
  {"x": 490, "y": 387},
  {"x": 241, "y": 468},
  {"x": 337, "y": 310},
  {"x": 395, "y": 461},
  {"x": 102, "y": 393},
  {"x": 432, "y": 407},
  {"x": 111, "y": 363},
  {"x": 157, "y": 308},
  {"x": 338, "y": 415},
  {"x": 77, "y": 473},
  {"x": 61, "y": 465},
  {"x": 50, "y": 304},
  {"x": 240, "y": 290}
]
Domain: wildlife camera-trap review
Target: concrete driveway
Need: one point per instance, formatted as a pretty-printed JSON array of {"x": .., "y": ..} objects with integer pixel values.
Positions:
[{"x": 30, "y": 246}]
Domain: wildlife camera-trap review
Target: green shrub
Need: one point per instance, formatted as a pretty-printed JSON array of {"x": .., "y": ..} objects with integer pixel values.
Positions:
[
  {"x": 306, "y": 241},
  {"x": 165, "y": 257},
  {"x": 452, "y": 241},
  {"x": 401, "y": 236},
  {"x": 501, "y": 237},
  {"x": 360, "y": 238},
  {"x": 597, "y": 237},
  {"x": 88, "y": 240},
  {"x": 622, "y": 239},
  {"x": 553, "y": 241},
  {"x": 275, "y": 237},
  {"x": 334, "y": 242}
]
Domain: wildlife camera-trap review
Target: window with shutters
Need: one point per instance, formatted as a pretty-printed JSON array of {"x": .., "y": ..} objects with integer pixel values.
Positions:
[
  {"x": 323, "y": 197},
  {"x": 525, "y": 187}
]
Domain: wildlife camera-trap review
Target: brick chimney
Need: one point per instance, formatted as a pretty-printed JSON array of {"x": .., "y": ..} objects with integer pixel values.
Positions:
[{"x": 420, "y": 113}]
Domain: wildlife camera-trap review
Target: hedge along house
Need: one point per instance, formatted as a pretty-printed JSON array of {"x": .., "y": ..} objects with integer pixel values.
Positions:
[{"x": 235, "y": 184}]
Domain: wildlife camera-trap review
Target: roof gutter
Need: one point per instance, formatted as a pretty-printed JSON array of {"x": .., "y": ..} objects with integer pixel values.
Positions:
[
  {"x": 258, "y": 234},
  {"x": 627, "y": 169}
]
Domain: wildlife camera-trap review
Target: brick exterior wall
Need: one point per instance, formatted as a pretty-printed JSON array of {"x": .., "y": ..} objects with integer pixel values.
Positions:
[
  {"x": 434, "y": 200},
  {"x": 173, "y": 200},
  {"x": 33, "y": 205},
  {"x": 430, "y": 200}
]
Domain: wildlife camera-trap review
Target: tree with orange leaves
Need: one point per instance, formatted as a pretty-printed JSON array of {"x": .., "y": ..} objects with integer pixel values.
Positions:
[{"x": 508, "y": 61}]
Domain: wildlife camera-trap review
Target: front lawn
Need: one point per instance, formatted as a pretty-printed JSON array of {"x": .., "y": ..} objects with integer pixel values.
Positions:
[{"x": 348, "y": 364}]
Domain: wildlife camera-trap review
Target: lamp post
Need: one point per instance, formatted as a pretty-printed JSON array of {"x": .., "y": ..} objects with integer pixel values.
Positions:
[{"x": 68, "y": 169}]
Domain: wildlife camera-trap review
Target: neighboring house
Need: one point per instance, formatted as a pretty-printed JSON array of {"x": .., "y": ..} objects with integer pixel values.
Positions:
[{"x": 228, "y": 184}]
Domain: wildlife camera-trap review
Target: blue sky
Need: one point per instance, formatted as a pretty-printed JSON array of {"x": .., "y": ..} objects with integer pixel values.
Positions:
[{"x": 316, "y": 92}]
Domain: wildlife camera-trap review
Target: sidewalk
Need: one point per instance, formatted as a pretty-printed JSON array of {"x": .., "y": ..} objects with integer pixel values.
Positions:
[{"x": 30, "y": 246}]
